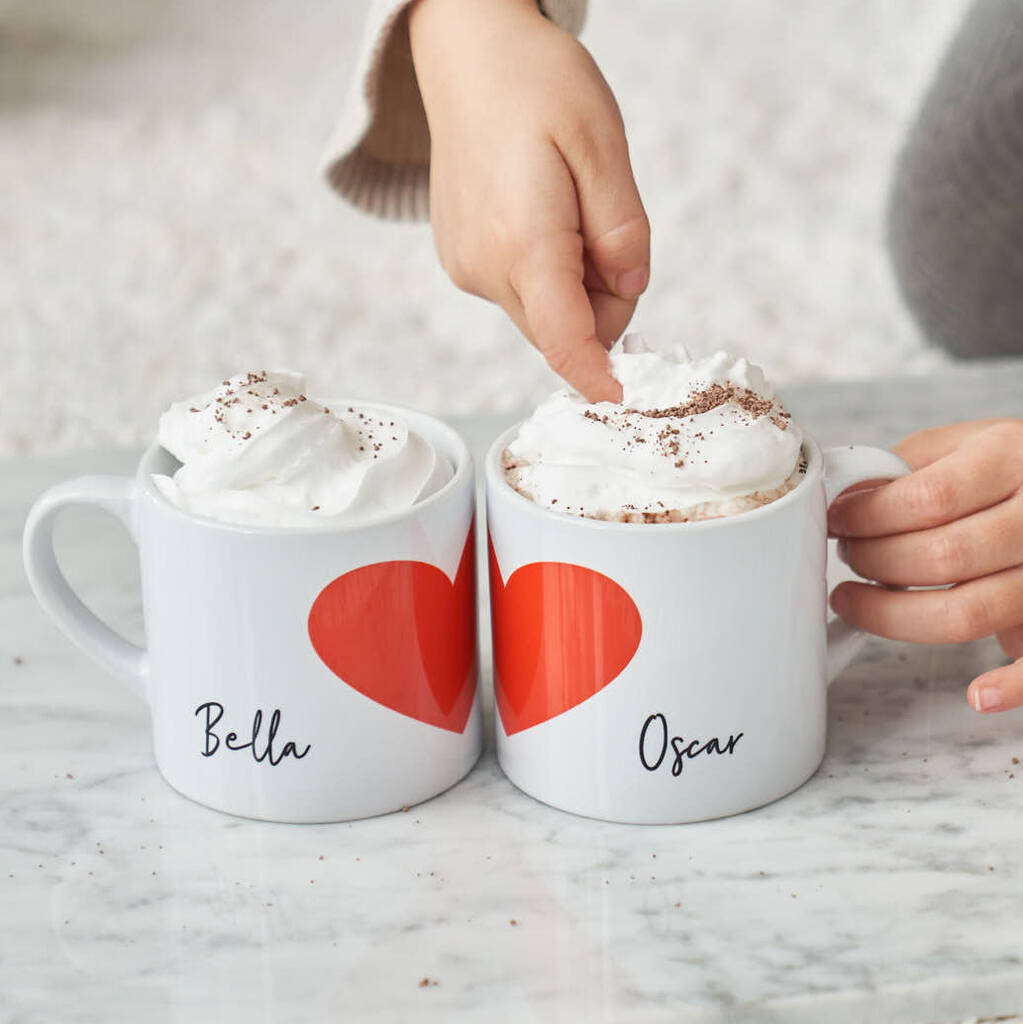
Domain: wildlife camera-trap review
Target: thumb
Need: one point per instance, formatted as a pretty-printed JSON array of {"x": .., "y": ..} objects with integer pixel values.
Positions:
[
  {"x": 614, "y": 225},
  {"x": 548, "y": 283}
]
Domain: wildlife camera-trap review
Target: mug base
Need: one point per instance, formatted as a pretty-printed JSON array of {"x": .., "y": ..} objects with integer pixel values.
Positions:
[
  {"x": 683, "y": 817},
  {"x": 328, "y": 817}
]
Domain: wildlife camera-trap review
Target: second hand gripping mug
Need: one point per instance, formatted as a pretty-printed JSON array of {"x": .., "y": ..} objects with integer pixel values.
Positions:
[
  {"x": 297, "y": 675},
  {"x": 666, "y": 672}
]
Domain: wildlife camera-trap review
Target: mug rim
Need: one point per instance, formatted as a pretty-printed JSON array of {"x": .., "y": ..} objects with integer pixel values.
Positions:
[
  {"x": 496, "y": 479},
  {"x": 414, "y": 418}
]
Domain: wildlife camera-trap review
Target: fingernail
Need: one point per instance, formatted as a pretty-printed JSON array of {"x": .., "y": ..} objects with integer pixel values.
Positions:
[
  {"x": 631, "y": 283},
  {"x": 985, "y": 698},
  {"x": 837, "y": 600},
  {"x": 835, "y": 524}
]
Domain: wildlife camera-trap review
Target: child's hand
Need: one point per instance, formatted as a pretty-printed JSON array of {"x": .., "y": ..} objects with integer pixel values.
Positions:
[
  {"x": 532, "y": 198},
  {"x": 958, "y": 519}
]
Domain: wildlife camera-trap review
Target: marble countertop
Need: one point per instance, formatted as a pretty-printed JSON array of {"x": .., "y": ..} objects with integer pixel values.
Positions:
[{"x": 889, "y": 887}]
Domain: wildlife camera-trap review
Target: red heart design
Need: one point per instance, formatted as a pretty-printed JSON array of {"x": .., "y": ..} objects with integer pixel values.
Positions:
[
  {"x": 561, "y": 634},
  {"x": 403, "y": 635}
]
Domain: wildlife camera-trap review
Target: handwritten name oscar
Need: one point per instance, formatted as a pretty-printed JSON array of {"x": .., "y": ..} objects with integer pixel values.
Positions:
[
  {"x": 654, "y": 742},
  {"x": 261, "y": 748}
]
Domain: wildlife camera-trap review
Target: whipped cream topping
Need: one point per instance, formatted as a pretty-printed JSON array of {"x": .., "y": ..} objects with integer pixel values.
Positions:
[
  {"x": 691, "y": 439},
  {"x": 256, "y": 450}
]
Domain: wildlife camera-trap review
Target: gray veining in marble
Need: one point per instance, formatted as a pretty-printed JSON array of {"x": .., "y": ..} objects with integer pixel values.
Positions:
[{"x": 889, "y": 888}]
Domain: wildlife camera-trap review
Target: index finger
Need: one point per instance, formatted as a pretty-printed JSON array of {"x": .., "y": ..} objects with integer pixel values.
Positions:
[
  {"x": 968, "y": 479},
  {"x": 548, "y": 282},
  {"x": 926, "y": 446}
]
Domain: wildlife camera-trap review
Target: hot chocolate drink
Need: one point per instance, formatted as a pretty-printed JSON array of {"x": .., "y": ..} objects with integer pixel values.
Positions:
[{"x": 691, "y": 440}]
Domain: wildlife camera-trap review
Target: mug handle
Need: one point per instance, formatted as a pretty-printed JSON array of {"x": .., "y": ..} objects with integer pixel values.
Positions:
[
  {"x": 844, "y": 466},
  {"x": 116, "y": 495}
]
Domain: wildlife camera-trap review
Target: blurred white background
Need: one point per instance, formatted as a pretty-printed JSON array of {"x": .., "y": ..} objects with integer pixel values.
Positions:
[{"x": 163, "y": 221}]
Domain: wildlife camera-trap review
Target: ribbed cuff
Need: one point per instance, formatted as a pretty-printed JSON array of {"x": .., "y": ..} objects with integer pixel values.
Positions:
[
  {"x": 394, "y": 191},
  {"x": 378, "y": 158}
]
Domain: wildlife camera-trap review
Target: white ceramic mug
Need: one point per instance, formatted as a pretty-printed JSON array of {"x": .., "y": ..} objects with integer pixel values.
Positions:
[
  {"x": 296, "y": 675},
  {"x": 663, "y": 673}
]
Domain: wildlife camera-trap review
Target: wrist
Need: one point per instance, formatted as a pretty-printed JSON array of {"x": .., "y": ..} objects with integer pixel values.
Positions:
[
  {"x": 438, "y": 26},
  {"x": 462, "y": 9}
]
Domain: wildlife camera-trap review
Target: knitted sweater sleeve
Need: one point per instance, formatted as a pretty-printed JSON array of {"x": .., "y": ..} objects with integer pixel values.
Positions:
[
  {"x": 955, "y": 214},
  {"x": 378, "y": 156}
]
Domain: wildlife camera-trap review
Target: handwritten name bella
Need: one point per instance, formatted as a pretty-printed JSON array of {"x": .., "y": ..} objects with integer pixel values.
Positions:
[
  {"x": 654, "y": 742},
  {"x": 260, "y": 747}
]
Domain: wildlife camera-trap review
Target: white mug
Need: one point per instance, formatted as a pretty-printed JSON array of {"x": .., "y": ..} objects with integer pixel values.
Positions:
[
  {"x": 666, "y": 673},
  {"x": 299, "y": 675}
]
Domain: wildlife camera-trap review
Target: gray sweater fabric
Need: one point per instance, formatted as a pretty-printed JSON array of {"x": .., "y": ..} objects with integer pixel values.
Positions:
[{"x": 955, "y": 214}]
